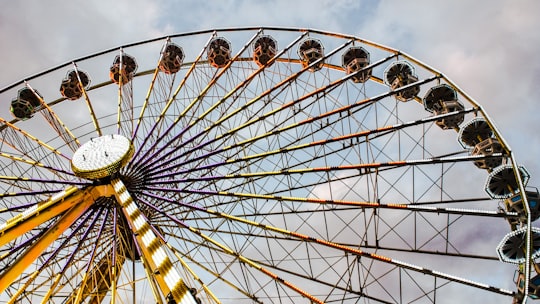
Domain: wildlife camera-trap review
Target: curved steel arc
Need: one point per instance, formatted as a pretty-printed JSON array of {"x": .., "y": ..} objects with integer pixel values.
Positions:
[
  {"x": 241, "y": 165},
  {"x": 202, "y": 32},
  {"x": 148, "y": 94},
  {"x": 56, "y": 123}
]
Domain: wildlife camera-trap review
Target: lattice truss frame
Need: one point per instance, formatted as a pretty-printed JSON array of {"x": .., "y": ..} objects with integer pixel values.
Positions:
[{"x": 270, "y": 165}]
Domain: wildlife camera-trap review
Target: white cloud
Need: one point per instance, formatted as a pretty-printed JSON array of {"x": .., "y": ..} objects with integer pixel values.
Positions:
[
  {"x": 488, "y": 48},
  {"x": 40, "y": 35}
]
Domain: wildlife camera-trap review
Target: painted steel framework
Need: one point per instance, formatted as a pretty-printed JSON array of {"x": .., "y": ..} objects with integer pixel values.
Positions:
[{"x": 305, "y": 166}]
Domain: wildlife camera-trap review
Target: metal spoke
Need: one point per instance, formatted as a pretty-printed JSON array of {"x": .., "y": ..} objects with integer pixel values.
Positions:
[{"x": 258, "y": 165}]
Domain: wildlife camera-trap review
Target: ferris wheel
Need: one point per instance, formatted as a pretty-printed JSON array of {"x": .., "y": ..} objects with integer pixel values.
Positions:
[{"x": 258, "y": 165}]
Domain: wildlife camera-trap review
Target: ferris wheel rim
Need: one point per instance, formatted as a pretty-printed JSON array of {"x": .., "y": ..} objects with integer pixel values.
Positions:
[{"x": 330, "y": 169}]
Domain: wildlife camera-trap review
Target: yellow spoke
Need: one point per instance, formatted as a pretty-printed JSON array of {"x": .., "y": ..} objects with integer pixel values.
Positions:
[
  {"x": 56, "y": 123},
  {"x": 147, "y": 98},
  {"x": 88, "y": 102},
  {"x": 40, "y": 213},
  {"x": 79, "y": 201},
  {"x": 19, "y": 132},
  {"x": 211, "y": 295}
]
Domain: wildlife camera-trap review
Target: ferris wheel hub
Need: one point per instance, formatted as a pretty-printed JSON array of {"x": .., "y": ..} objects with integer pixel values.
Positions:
[{"x": 102, "y": 157}]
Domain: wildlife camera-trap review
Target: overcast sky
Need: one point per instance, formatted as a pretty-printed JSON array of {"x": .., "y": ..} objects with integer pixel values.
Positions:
[{"x": 488, "y": 47}]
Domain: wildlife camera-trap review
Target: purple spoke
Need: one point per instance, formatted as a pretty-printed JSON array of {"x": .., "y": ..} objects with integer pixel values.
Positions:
[
  {"x": 25, "y": 243},
  {"x": 284, "y": 83},
  {"x": 54, "y": 254},
  {"x": 243, "y": 84},
  {"x": 272, "y": 133},
  {"x": 96, "y": 245},
  {"x": 84, "y": 237},
  {"x": 69, "y": 238},
  {"x": 154, "y": 126},
  {"x": 173, "y": 202}
]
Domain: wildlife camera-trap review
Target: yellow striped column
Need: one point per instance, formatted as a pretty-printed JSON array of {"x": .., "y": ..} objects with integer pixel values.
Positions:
[{"x": 152, "y": 249}]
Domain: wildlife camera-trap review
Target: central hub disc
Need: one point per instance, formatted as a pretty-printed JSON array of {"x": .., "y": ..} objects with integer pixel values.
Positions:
[{"x": 102, "y": 157}]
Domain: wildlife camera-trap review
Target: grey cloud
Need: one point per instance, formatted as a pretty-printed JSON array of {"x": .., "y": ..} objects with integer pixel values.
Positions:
[{"x": 489, "y": 49}]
